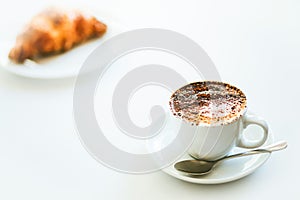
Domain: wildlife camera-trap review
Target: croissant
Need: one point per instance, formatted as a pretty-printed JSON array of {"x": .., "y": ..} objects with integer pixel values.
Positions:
[{"x": 54, "y": 31}]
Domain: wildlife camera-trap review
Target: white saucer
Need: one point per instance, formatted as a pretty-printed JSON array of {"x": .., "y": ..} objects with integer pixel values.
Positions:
[
  {"x": 226, "y": 171},
  {"x": 64, "y": 65}
]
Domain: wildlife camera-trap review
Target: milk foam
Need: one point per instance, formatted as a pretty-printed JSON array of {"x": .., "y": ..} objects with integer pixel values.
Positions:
[{"x": 208, "y": 103}]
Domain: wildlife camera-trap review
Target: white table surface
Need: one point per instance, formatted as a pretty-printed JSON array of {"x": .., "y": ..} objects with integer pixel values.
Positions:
[{"x": 255, "y": 45}]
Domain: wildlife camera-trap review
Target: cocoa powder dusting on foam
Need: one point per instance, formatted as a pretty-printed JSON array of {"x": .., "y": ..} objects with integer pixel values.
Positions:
[{"x": 208, "y": 102}]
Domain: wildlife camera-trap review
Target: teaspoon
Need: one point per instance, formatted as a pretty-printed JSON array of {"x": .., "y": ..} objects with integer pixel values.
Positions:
[{"x": 202, "y": 167}]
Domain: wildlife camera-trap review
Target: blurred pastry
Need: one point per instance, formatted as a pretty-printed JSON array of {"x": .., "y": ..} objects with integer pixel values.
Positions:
[{"x": 55, "y": 31}]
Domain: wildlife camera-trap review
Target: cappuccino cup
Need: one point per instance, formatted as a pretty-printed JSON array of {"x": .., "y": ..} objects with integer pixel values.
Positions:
[{"x": 216, "y": 113}]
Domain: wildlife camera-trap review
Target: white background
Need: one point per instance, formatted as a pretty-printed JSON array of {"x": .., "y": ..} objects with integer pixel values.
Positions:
[{"x": 254, "y": 44}]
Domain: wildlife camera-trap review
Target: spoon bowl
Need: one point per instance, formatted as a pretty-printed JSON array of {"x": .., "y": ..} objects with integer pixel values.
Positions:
[{"x": 196, "y": 167}]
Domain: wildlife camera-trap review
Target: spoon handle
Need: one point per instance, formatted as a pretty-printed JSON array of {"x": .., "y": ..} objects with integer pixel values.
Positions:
[
  {"x": 275, "y": 147},
  {"x": 267, "y": 149}
]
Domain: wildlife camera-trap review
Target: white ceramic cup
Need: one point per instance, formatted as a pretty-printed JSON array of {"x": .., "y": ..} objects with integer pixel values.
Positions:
[{"x": 212, "y": 142}]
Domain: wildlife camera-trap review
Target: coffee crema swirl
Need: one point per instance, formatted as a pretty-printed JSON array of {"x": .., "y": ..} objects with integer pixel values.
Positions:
[{"x": 208, "y": 103}]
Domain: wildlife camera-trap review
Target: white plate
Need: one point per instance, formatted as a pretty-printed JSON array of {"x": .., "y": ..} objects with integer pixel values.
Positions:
[
  {"x": 226, "y": 171},
  {"x": 60, "y": 66}
]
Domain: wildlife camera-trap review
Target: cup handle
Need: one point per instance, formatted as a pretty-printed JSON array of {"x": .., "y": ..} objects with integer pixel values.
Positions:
[{"x": 251, "y": 119}]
